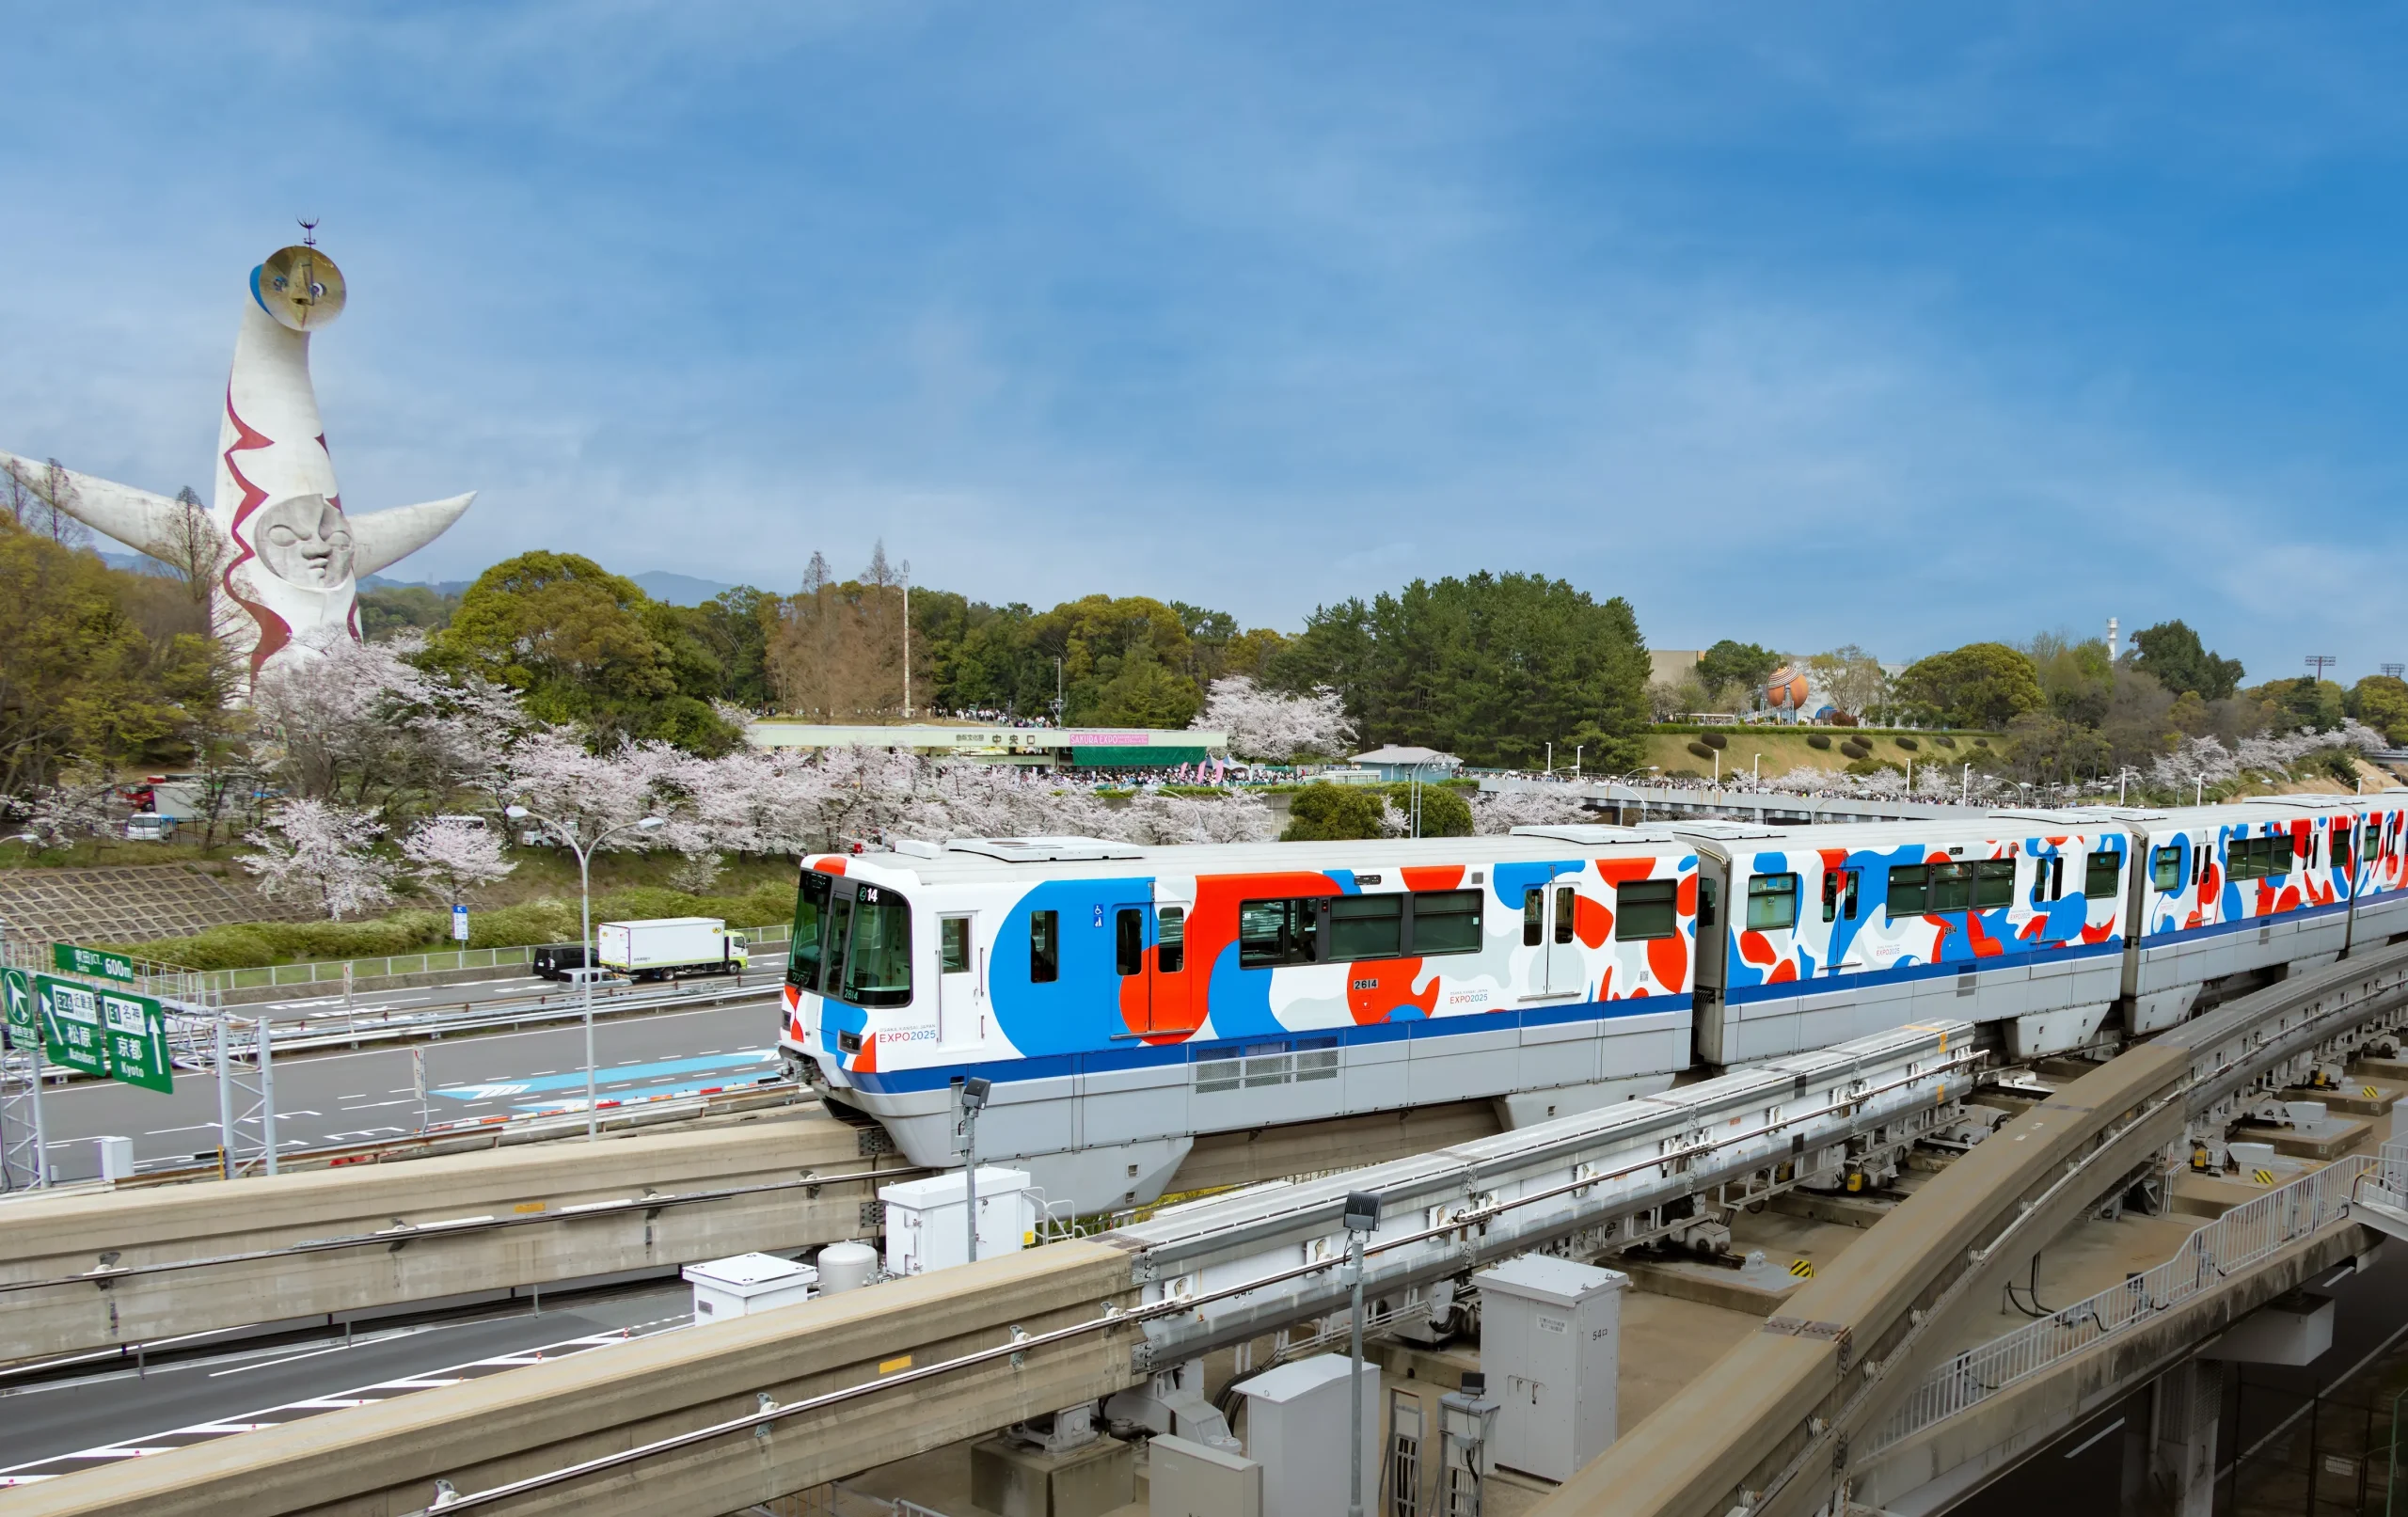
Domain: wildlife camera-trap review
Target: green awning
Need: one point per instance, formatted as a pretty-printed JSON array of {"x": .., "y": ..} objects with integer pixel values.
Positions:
[{"x": 1135, "y": 758}]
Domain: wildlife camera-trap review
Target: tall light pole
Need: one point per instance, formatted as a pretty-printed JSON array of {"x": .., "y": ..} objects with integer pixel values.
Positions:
[
  {"x": 584, "y": 852},
  {"x": 974, "y": 1100},
  {"x": 1362, "y": 1220},
  {"x": 1576, "y": 761}
]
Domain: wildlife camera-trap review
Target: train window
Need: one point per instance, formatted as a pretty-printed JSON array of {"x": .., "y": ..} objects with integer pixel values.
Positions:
[
  {"x": 810, "y": 930},
  {"x": 2166, "y": 868},
  {"x": 1564, "y": 910},
  {"x": 952, "y": 945},
  {"x": 2057, "y": 878},
  {"x": 1446, "y": 922},
  {"x": 1952, "y": 886},
  {"x": 1170, "y": 927},
  {"x": 1044, "y": 946},
  {"x": 1705, "y": 896},
  {"x": 2339, "y": 853},
  {"x": 1909, "y": 890},
  {"x": 1650, "y": 908},
  {"x": 1772, "y": 902},
  {"x": 878, "y": 965},
  {"x": 1129, "y": 939},
  {"x": 2268, "y": 858},
  {"x": 2371, "y": 843},
  {"x": 1534, "y": 916},
  {"x": 1367, "y": 926},
  {"x": 1847, "y": 895},
  {"x": 1277, "y": 932},
  {"x": 1831, "y": 895},
  {"x": 2102, "y": 875},
  {"x": 1993, "y": 883}
]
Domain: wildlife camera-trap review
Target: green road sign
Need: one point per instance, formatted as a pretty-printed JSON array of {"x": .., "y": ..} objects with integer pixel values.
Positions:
[
  {"x": 99, "y": 964},
  {"x": 70, "y": 1024},
  {"x": 17, "y": 990},
  {"x": 138, "y": 1042},
  {"x": 105, "y": 1032}
]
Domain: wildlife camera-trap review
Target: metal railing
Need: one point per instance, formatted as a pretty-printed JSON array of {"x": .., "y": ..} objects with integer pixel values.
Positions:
[
  {"x": 330, "y": 971},
  {"x": 2246, "y": 1235}
]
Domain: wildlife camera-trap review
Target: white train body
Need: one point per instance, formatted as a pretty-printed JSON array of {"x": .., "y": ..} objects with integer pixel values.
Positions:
[{"x": 1123, "y": 1000}]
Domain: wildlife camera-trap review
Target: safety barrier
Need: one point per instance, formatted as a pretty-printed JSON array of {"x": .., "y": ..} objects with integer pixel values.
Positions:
[
  {"x": 330, "y": 971},
  {"x": 2246, "y": 1235}
]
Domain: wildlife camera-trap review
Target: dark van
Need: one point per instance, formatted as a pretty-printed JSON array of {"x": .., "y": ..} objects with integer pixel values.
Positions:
[{"x": 552, "y": 961}]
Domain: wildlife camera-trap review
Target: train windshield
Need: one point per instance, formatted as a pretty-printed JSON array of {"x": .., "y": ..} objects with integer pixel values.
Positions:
[
  {"x": 808, "y": 945},
  {"x": 878, "y": 960}
]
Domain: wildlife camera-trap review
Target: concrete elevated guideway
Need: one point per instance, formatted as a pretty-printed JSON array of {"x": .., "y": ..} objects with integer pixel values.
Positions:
[
  {"x": 676, "y": 1423},
  {"x": 1636, "y": 804}
]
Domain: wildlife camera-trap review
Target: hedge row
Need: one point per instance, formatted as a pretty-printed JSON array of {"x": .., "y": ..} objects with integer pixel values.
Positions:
[{"x": 255, "y": 944}]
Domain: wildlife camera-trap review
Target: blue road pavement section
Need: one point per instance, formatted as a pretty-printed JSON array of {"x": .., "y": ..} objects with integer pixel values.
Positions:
[{"x": 626, "y": 1081}]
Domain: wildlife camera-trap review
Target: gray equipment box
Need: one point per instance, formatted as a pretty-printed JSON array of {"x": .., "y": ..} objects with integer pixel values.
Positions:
[
  {"x": 1295, "y": 1426},
  {"x": 1192, "y": 1479},
  {"x": 1550, "y": 1340}
]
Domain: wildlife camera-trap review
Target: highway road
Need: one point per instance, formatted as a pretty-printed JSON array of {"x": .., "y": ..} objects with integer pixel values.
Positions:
[
  {"x": 58, "y": 1428},
  {"x": 358, "y": 1096}
]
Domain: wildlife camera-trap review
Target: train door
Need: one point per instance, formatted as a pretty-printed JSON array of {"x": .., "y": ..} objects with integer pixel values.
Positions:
[
  {"x": 1170, "y": 988},
  {"x": 960, "y": 1009},
  {"x": 1548, "y": 919}
]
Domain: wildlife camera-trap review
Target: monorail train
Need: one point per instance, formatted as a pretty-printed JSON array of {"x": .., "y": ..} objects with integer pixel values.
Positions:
[{"x": 1122, "y": 1000}]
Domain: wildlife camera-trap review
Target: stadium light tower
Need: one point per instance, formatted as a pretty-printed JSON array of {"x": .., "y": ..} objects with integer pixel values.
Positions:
[{"x": 2319, "y": 662}]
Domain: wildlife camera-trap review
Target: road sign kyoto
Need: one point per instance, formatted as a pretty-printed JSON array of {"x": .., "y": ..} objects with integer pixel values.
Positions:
[
  {"x": 460, "y": 924},
  {"x": 67, "y": 958},
  {"x": 104, "y": 1032}
]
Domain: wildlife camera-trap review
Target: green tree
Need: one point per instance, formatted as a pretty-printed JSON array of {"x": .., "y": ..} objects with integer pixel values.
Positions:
[
  {"x": 1979, "y": 684},
  {"x": 2172, "y": 653},
  {"x": 2075, "y": 676},
  {"x": 1443, "y": 812},
  {"x": 2041, "y": 747},
  {"x": 1491, "y": 668},
  {"x": 1730, "y": 663},
  {"x": 2381, "y": 701},
  {"x": 583, "y": 645},
  {"x": 1329, "y": 812},
  {"x": 82, "y": 681},
  {"x": 2293, "y": 703},
  {"x": 390, "y": 609}
]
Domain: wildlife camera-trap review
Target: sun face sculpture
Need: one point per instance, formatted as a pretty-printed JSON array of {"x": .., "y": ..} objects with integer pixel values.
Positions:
[{"x": 283, "y": 555}]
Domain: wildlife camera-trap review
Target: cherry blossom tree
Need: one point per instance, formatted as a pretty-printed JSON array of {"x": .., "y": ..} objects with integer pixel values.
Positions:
[
  {"x": 76, "y": 807},
  {"x": 1497, "y": 812},
  {"x": 456, "y": 854},
  {"x": 1264, "y": 724},
  {"x": 595, "y": 798},
  {"x": 315, "y": 850}
]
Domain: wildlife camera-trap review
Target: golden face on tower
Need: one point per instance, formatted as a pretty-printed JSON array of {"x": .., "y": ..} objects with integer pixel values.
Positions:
[{"x": 300, "y": 287}]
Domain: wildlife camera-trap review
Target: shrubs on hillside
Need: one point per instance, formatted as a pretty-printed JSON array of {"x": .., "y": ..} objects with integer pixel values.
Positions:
[
  {"x": 1819, "y": 742},
  {"x": 253, "y": 944}
]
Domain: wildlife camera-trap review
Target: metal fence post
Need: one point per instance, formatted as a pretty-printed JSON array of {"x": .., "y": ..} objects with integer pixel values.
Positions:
[
  {"x": 268, "y": 1092},
  {"x": 225, "y": 1100}
]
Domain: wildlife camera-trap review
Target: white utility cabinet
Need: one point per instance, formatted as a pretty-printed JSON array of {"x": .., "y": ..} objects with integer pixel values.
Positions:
[
  {"x": 1550, "y": 1342},
  {"x": 926, "y": 1228},
  {"x": 1192, "y": 1479},
  {"x": 1296, "y": 1419},
  {"x": 746, "y": 1283}
]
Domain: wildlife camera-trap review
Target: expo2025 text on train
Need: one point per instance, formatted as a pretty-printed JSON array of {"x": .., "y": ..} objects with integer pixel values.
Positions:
[{"x": 1123, "y": 1000}]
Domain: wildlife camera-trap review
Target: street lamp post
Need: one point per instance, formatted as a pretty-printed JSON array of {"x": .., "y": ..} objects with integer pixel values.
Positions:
[
  {"x": 1362, "y": 1220},
  {"x": 974, "y": 1100},
  {"x": 1576, "y": 761},
  {"x": 584, "y": 852}
]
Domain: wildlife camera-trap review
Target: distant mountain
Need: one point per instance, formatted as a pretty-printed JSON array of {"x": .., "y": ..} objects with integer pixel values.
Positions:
[
  {"x": 139, "y": 564},
  {"x": 678, "y": 589},
  {"x": 441, "y": 587}
]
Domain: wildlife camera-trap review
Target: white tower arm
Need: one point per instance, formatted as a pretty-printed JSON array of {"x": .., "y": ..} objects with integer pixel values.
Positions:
[
  {"x": 152, "y": 523},
  {"x": 383, "y": 537}
]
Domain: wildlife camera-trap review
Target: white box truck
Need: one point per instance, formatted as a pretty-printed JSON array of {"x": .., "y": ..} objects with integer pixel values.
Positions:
[{"x": 667, "y": 947}]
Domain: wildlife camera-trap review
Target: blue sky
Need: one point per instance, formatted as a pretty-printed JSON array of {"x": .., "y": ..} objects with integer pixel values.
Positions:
[{"x": 1899, "y": 325}]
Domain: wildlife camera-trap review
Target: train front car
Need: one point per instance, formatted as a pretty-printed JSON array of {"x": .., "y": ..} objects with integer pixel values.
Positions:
[
  {"x": 1835, "y": 932},
  {"x": 1123, "y": 1000}
]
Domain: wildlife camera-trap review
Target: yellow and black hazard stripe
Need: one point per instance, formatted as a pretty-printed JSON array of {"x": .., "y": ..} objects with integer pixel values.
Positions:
[{"x": 1803, "y": 1269}]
